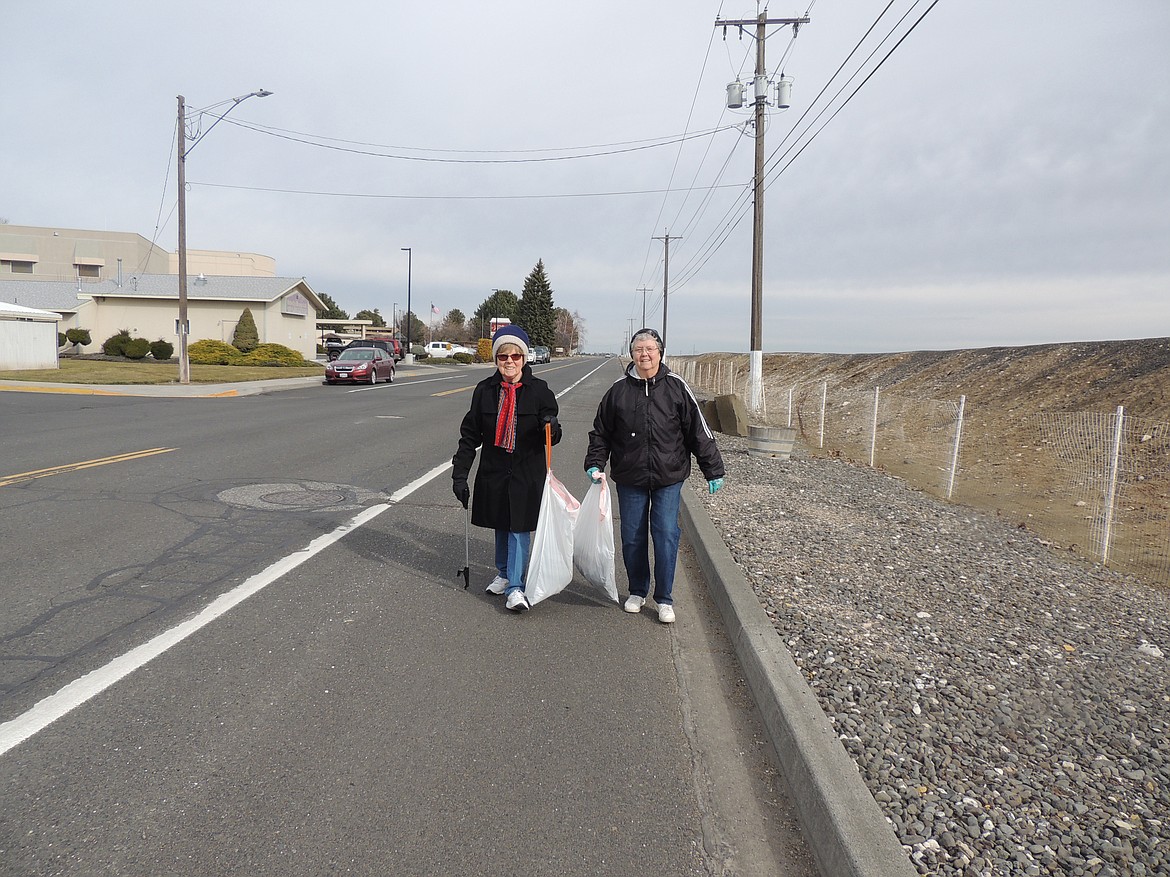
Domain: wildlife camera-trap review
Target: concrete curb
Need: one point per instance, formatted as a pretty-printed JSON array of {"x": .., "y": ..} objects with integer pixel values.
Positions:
[{"x": 843, "y": 825}]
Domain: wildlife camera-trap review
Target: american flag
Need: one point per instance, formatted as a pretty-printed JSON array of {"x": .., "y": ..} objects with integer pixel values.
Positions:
[{"x": 434, "y": 310}]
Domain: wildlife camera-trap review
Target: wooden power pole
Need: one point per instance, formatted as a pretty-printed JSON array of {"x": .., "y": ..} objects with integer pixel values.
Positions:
[{"x": 756, "y": 356}]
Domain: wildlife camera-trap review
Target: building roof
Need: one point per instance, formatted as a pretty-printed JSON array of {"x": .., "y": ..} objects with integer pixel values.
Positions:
[
  {"x": 19, "y": 312},
  {"x": 66, "y": 295},
  {"x": 50, "y": 295}
]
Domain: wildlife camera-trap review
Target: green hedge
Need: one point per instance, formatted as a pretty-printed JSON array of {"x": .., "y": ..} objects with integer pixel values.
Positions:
[
  {"x": 162, "y": 350},
  {"x": 136, "y": 348},
  {"x": 114, "y": 345}
]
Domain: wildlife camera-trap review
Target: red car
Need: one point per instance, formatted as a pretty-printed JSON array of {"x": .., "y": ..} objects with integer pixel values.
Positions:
[{"x": 360, "y": 365}]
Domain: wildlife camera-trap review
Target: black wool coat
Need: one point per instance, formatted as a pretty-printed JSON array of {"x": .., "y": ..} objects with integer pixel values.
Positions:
[{"x": 508, "y": 487}]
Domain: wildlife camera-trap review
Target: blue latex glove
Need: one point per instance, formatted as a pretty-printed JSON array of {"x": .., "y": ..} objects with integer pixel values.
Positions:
[
  {"x": 594, "y": 474},
  {"x": 714, "y": 484}
]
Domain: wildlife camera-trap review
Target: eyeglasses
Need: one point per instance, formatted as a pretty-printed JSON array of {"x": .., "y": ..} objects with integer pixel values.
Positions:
[
  {"x": 504, "y": 357},
  {"x": 646, "y": 350}
]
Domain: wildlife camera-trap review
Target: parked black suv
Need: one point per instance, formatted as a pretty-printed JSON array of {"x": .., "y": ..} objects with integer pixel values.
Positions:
[{"x": 392, "y": 346}]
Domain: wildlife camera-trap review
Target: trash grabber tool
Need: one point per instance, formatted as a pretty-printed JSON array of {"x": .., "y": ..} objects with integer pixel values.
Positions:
[{"x": 466, "y": 571}]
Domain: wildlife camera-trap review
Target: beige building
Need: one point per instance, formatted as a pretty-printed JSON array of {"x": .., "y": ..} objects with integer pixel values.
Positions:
[
  {"x": 285, "y": 308},
  {"x": 105, "y": 281},
  {"x": 33, "y": 253}
]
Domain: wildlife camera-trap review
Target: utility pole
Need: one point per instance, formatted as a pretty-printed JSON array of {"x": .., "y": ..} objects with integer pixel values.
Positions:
[
  {"x": 181, "y": 326},
  {"x": 666, "y": 239},
  {"x": 756, "y": 354},
  {"x": 643, "y": 290}
]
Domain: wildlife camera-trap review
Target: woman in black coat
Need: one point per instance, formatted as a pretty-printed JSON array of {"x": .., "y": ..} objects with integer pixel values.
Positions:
[{"x": 506, "y": 418}]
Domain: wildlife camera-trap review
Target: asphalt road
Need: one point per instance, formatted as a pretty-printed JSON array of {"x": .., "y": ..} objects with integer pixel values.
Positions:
[{"x": 336, "y": 702}]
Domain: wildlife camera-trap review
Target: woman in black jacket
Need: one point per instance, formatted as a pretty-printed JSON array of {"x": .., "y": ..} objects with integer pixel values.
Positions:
[
  {"x": 648, "y": 426},
  {"x": 506, "y": 418}
]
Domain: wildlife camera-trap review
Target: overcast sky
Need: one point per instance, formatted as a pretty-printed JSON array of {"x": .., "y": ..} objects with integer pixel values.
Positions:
[{"x": 1002, "y": 179}]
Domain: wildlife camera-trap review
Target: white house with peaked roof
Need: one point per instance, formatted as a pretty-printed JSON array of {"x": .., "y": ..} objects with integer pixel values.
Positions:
[
  {"x": 284, "y": 308},
  {"x": 28, "y": 337}
]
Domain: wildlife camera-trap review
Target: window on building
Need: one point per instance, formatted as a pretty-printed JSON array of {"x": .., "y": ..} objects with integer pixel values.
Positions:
[
  {"x": 17, "y": 267},
  {"x": 93, "y": 271}
]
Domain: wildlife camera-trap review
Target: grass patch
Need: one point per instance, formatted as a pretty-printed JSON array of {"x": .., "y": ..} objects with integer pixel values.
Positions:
[{"x": 88, "y": 371}]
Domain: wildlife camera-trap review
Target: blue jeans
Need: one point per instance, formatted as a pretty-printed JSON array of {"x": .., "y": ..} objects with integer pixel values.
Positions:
[
  {"x": 511, "y": 557},
  {"x": 650, "y": 514}
]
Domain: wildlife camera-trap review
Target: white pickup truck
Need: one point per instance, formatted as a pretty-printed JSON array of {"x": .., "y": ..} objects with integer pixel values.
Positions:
[{"x": 444, "y": 349}]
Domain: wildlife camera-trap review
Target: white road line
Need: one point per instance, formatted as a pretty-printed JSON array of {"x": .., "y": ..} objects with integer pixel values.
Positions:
[
  {"x": 45, "y": 712},
  {"x": 397, "y": 383}
]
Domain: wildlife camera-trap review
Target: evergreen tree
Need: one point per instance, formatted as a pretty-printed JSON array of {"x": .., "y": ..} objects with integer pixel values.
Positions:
[
  {"x": 246, "y": 337},
  {"x": 331, "y": 311},
  {"x": 534, "y": 312},
  {"x": 501, "y": 303},
  {"x": 418, "y": 329},
  {"x": 373, "y": 316}
]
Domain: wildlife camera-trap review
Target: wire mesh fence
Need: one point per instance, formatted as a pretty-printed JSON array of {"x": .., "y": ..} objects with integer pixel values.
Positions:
[{"x": 1094, "y": 483}]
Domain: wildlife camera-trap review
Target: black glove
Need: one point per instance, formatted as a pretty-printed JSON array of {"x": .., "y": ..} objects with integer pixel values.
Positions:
[
  {"x": 551, "y": 420},
  {"x": 461, "y": 490}
]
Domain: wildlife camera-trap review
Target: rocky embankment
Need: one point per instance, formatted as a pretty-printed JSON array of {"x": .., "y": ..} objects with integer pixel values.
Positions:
[{"x": 1006, "y": 704}]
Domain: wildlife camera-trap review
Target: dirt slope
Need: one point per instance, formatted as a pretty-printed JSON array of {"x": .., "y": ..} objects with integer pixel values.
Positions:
[{"x": 1010, "y": 463}]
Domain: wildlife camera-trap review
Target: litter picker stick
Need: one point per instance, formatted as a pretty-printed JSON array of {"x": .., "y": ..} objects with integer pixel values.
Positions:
[{"x": 466, "y": 571}]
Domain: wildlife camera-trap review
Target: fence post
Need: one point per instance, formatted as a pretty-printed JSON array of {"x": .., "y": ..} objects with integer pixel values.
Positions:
[
  {"x": 955, "y": 452},
  {"x": 790, "y": 389},
  {"x": 824, "y": 397},
  {"x": 1111, "y": 487},
  {"x": 873, "y": 432}
]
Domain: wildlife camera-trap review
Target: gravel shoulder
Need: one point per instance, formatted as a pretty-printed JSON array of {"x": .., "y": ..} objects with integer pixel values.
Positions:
[{"x": 1006, "y": 704}]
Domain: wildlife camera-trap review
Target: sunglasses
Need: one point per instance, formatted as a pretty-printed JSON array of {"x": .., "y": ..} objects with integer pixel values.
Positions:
[{"x": 504, "y": 357}]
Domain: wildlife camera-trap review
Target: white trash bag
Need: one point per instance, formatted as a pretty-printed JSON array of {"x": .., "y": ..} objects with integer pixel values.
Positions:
[
  {"x": 593, "y": 549},
  {"x": 550, "y": 567}
]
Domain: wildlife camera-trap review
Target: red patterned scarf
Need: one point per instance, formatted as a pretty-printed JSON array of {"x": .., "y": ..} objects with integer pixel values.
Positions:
[{"x": 506, "y": 419}]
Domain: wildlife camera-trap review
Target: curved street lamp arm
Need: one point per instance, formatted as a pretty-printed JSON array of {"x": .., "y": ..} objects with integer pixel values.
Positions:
[{"x": 236, "y": 101}]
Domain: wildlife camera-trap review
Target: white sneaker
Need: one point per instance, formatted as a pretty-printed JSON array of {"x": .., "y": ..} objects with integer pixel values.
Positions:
[
  {"x": 666, "y": 613},
  {"x": 497, "y": 586},
  {"x": 517, "y": 602},
  {"x": 634, "y": 604}
]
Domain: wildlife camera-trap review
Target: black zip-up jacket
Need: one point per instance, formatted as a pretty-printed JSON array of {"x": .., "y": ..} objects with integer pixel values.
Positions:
[{"x": 648, "y": 430}]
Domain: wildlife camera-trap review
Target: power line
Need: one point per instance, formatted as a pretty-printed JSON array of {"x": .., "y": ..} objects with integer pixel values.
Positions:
[
  {"x": 327, "y": 194},
  {"x": 692, "y": 269},
  {"x": 273, "y": 132}
]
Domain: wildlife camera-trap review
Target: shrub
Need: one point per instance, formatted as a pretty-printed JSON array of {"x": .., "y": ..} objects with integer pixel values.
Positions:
[
  {"x": 272, "y": 354},
  {"x": 60, "y": 339},
  {"x": 484, "y": 349},
  {"x": 419, "y": 351},
  {"x": 464, "y": 358},
  {"x": 162, "y": 350},
  {"x": 79, "y": 336},
  {"x": 211, "y": 352},
  {"x": 246, "y": 338},
  {"x": 136, "y": 348},
  {"x": 113, "y": 346}
]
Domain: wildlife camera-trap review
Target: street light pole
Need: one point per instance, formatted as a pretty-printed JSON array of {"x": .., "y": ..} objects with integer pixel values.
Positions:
[
  {"x": 181, "y": 327},
  {"x": 409, "y": 357}
]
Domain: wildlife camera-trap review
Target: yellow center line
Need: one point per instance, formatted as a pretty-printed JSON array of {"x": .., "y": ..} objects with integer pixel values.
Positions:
[
  {"x": 456, "y": 390},
  {"x": 87, "y": 464}
]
